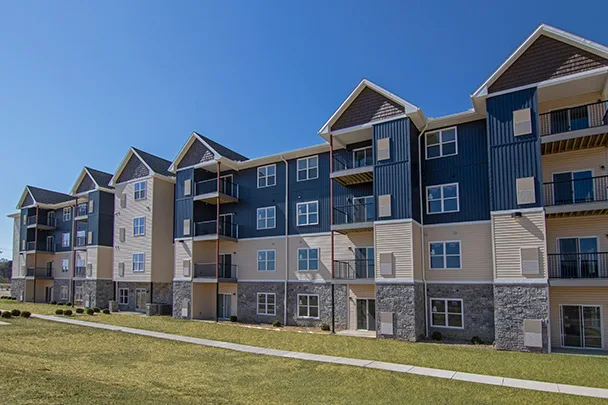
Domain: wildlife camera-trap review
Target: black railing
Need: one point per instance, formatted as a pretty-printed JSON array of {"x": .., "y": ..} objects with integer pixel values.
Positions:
[
  {"x": 578, "y": 265},
  {"x": 210, "y": 186},
  {"x": 354, "y": 269},
  {"x": 354, "y": 213},
  {"x": 39, "y": 272},
  {"x": 80, "y": 271},
  {"x": 81, "y": 241},
  {"x": 82, "y": 210},
  {"x": 574, "y": 118},
  {"x": 47, "y": 247},
  {"x": 31, "y": 220},
  {"x": 207, "y": 270},
  {"x": 30, "y": 246},
  {"x": 227, "y": 229},
  {"x": 41, "y": 220},
  {"x": 342, "y": 163},
  {"x": 582, "y": 190}
]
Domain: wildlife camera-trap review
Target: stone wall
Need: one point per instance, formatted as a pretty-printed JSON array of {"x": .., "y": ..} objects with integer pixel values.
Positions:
[
  {"x": 247, "y": 295},
  {"x": 182, "y": 290},
  {"x": 132, "y": 286},
  {"x": 97, "y": 293},
  {"x": 406, "y": 302},
  {"x": 324, "y": 292},
  {"x": 513, "y": 303},
  {"x": 478, "y": 308},
  {"x": 162, "y": 293},
  {"x": 57, "y": 284},
  {"x": 18, "y": 288}
]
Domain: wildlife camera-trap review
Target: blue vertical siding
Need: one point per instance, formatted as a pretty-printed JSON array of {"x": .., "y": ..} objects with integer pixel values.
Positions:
[
  {"x": 512, "y": 157},
  {"x": 61, "y": 228},
  {"x": 415, "y": 167},
  {"x": 183, "y": 203},
  {"x": 101, "y": 220}
]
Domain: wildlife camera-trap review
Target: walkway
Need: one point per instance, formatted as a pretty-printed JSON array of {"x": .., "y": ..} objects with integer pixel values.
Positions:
[{"x": 400, "y": 368}]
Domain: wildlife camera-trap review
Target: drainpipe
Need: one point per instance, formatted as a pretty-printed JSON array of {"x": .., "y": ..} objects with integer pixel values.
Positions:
[
  {"x": 426, "y": 297},
  {"x": 286, "y": 239},
  {"x": 331, "y": 232},
  {"x": 217, "y": 246}
]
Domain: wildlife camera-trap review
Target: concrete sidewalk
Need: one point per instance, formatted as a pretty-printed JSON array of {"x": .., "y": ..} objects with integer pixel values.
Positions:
[{"x": 400, "y": 368}]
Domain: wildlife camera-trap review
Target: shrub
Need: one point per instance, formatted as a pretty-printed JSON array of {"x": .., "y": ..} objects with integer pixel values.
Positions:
[
  {"x": 437, "y": 336},
  {"x": 90, "y": 311},
  {"x": 476, "y": 340},
  {"x": 14, "y": 298},
  {"x": 67, "y": 312},
  {"x": 59, "y": 312},
  {"x": 233, "y": 318},
  {"x": 15, "y": 312},
  {"x": 106, "y": 311},
  {"x": 26, "y": 314},
  {"x": 96, "y": 309},
  {"x": 69, "y": 304},
  {"x": 3, "y": 297},
  {"x": 60, "y": 303},
  {"x": 277, "y": 324},
  {"x": 6, "y": 314},
  {"x": 53, "y": 302},
  {"x": 325, "y": 327},
  {"x": 79, "y": 310}
]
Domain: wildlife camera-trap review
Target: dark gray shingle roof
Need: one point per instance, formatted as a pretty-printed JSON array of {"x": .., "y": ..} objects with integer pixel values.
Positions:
[
  {"x": 222, "y": 150},
  {"x": 157, "y": 164},
  {"x": 101, "y": 178},
  {"x": 43, "y": 196}
]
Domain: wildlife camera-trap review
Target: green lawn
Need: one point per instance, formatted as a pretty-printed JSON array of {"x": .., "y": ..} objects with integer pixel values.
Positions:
[
  {"x": 559, "y": 368},
  {"x": 51, "y": 363}
]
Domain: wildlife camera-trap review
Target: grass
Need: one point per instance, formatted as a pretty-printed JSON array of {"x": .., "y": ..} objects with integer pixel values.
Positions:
[
  {"x": 46, "y": 362},
  {"x": 558, "y": 368}
]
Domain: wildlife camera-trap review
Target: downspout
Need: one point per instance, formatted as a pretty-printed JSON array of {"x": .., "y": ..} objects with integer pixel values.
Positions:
[
  {"x": 286, "y": 239},
  {"x": 423, "y": 248},
  {"x": 331, "y": 232},
  {"x": 217, "y": 246}
]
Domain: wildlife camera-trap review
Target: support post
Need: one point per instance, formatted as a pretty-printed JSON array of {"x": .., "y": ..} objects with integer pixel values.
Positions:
[
  {"x": 331, "y": 232},
  {"x": 217, "y": 246},
  {"x": 35, "y": 251}
]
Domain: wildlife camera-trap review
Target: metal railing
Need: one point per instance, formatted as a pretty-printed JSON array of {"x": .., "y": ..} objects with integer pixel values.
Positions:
[
  {"x": 354, "y": 269},
  {"x": 30, "y": 245},
  {"x": 354, "y": 213},
  {"x": 207, "y": 270},
  {"x": 584, "y": 190},
  {"x": 81, "y": 241},
  {"x": 48, "y": 247},
  {"x": 578, "y": 265},
  {"x": 341, "y": 163},
  {"x": 41, "y": 220},
  {"x": 210, "y": 186},
  {"x": 31, "y": 219},
  {"x": 574, "y": 118},
  {"x": 80, "y": 271},
  {"x": 82, "y": 210},
  {"x": 39, "y": 272},
  {"x": 228, "y": 229}
]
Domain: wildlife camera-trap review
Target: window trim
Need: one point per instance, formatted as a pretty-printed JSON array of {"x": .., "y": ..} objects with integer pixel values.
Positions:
[
  {"x": 266, "y": 219},
  {"x": 308, "y": 259},
  {"x": 307, "y": 213},
  {"x": 143, "y": 262},
  {"x": 135, "y": 191},
  {"x": 266, "y": 261},
  {"x": 63, "y": 293},
  {"x": 445, "y": 255},
  {"x": 308, "y": 306},
  {"x": 442, "y": 199},
  {"x": 257, "y": 177},
  {"x": 371, "y": 149},
  {"x": 67, "y": 214},
  {"x": 307, "y": 169},
  {"x": 63, "y": 244},
  {"x": 445, "y": 300},
  {"x": 120, "y": 290},
  {"x": 257, "y": 306},
  {"x": 139, "y": 226},
  {"x": 65, "y": 269},
  {"x": 440, "y": 132}
]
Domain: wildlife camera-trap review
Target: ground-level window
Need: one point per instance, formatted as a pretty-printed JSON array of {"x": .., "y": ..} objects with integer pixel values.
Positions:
[
  {"x": 447, "y": 313},
  {"x": 308, "y": 306},
  {"x": 78, "y": 294},
  {"x": 63, "y": 293},
  {"x": 266, "y": 304},
  {"x": 123, "y": 296}
]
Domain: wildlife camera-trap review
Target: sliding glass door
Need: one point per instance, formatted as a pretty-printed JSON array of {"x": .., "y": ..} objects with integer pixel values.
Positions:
[{"x": 581, "y": 326}]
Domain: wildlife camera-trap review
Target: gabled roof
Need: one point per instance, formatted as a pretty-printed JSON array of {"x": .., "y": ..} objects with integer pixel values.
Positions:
[
  {"x": 548, "y": 31},
  {"x": 213, "y": 147},
  {"x": 43, "y": 196},
  {"x": 99, "y": 178},
  {"x": 154, "y": 164}
]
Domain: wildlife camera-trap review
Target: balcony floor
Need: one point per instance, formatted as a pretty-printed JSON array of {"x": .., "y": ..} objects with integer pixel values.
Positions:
[
  {"x": 577, "y": 210},
  {"x": 353, "y": 227},
  {"x": 211, "y": 198},
  {"x": 575, "y": 140},
  {"x": 357, "y": 175}
]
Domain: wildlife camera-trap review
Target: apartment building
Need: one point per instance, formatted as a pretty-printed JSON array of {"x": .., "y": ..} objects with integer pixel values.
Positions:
[{"x": 489, "y": 223}]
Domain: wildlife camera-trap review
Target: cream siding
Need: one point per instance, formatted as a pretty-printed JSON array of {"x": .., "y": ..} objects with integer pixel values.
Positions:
[
  {"x": 41, "y": 289},
  {"x": 395, "y": 238},
  {"x": 182, "y": 251},
  {"x": 576, "y": 296},
  {"x": 586, "y": 159},
  {"x": 162, "y": 231},
  {"x": 203, "y": 300},
  {"x": 512, "y": 234},
  {"x": 57, "y": 258},
  {"x": 588, "y": 226},
  {"x": 101, "y": 257},
  {"x": 358, "y": 291},
  {"x": 417, "y": 250},
  {"x": 571, "y": 101},
  {"x": 245, "y": 257},
  {"x": 475, "y": 251}
]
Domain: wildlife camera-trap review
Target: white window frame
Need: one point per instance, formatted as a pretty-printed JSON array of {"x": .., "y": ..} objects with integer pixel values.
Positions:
[
  {"x": 266, "y": 261},
  {"x": 441, "y": 143},
  {"x": 265, "y": 209},
  {"x": 266, "y": 295},
  {"x": 65, "y": 239},
  {"x": 139, "y": 194},
  {"x": 308, "y": 306},
  {"x": 367, "y": 149},
  {"x": 308, "y": 168},
  {"x": 442, "y": 198},
  {"x": 63, "y": 293},
  {"x": 67, "y": 214},
  {"x": 139, "y": 229},
  {"x": 445, "y": 255},
  {"x": 307, "y": 214},
  {"x": 123, "y": 293},
  {"x": 318, "y": 259},
  {"x": 446, "y": 313},
  {"x": 267, "y": 176},
  {"x": 65, "y": 265},
  {"x": 137, "y": 269}
]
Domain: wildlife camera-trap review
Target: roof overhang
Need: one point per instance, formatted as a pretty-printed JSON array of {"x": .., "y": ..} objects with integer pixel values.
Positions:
[
  {"x": 83, "y": 173},
  {"x": 454, "y": 119},
  {"x": 123, "y": 164},
  {"x": 25, "y": 193},
  {"x": 193, "y": 138}
]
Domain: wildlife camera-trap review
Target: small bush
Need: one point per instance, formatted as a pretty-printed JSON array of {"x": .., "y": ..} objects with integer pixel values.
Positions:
[
  {"x": 59, "y": 312},
  {"x": 476, "y": 340},
  {"x": 277, "y": 324},
  {"x": 14, "y": 298},
  {"x": 96, "y": 309},
  {"x": 106, "y": 311},
  {"x": 6, "y": 314},
  {"x": 68, "y": 312},
  {"x": 90, "y": 311},
  {"x": 233, "y": 318},
  {"x": 3, "y": 297},
  {"x": 26, "y": 314},
  {"x": 325, "y": 327},
  {"x": 437, "y": 336},
  {"x": 60, "y": 303},
  {"x": 15, "y": 312},
  {"x": 69, "y": 304},
  {"x": 53, "y": 302},
  {"x": 79, "y": 310}
]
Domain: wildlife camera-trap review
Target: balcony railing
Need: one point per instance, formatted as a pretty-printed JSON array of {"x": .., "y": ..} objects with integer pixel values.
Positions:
[
  {"x": 362, "y": 160},
  {"x": 576, "y": 191},
  {"x": 210, "y": 186},
  {"x": 30, "y": 246},
  {"x": 81, "y": 241},
  {"x": 357, "y": 212},
  {"x": 574, "y": 118},
  {"x": 355, "y": 269},
  {"x": 39, "y": 272},
  {"x": 207, "y": 270},
  {"x": 31, "y": 220},
  {"x": 578, "y": 265},
  {"x": 227, "y": 229},
  {"x": 80, "y": 271},
  {"x": 82, "y": 210},
  {"x": 41, "y": 220}
]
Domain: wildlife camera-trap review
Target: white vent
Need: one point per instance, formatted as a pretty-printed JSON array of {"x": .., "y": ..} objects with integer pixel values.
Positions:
[
  {"x": 90, "y": 237},
  {"x": 533, "y": 333},
  {"x": 187, "y": 187},
  {"x": 91, "y": 206},
  {"x": 121, "y": 234},
  {"x": 89, "y": 269},
  {"x": 386, "y": 264},
  {"x": 529, "y": 261},
  {"x": 121, "y": 269},
  {"x": 186, "y": 308},
  {"x": 526, "y": 191},
  {"x": 384, "y": 205},
  {"x": 186, "y": 227},
  {"x": 186, "y": 268},
  {"x": 383, "y": 148},
  {"x": 24, "y": 220},
  {"x": 386, "y": 323},
  {"x": 123, "y": 201},
  {"x": 522, "y": 122}
]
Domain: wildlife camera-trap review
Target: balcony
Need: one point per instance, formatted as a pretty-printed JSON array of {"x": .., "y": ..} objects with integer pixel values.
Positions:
[
  {"x": 81, "y": 242},
  {"x": 354, "y": 269},
  {"x": 356, "y": 217},
  {"x": 39, "y": 272},
  {"x": 207, "y": 191},
  {"x": 81, "y": 213},
  {"x": 80, "y": 272},
  {"x": 207, "y": 230},
  {"x": 206, "y": 272},
  {"x": 575, "y": 128},
  {"x": 44, "y": 222},
  {"x": 42, "y": 247},
  {"x": 580, "y": 195},
  {"x": 356, "y": 171},
  {"x": 582, "y": 268}
]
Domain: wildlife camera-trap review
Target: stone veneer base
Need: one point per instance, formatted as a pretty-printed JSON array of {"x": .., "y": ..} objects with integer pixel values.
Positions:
[
  {"x": 18, "y": 288},
  {"x": 406, "y": 302},
  {"x": 162, "y": 293}
]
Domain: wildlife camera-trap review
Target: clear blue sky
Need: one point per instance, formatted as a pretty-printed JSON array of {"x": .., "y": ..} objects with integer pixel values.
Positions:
[{"x": 80, "y": 82}]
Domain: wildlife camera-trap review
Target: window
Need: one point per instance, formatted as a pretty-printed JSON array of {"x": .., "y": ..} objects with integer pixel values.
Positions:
[
  {"x": 266, "y": 260},
  {"x": 308, "y": 306},
  {"x": 446, "y": 313},
  {"x": 445, "y": 255},
  {"x": 78, "y": 293},
  {"x": 266, "y": 218},
  {"x": 139, "y": 226},
  {"x": 363, "y": 157},
  {"x": 63, "y": 293},
  {"x": 267, "y": 176},
  {"x": 65, "y": 240},
  {"x": 140, "y": 191},
  {"x": 65, "y": 265},
  {"x": 67, "y": 214},
  {"x": 308, "y": 259},
  {"x": 441, "y": 143},
  {"x": 308, "y": 213},
  {"x": 308, "y": 168},
  {"x": 123, "y": 296},
  {"x": 138, "y": 262},
  {"x": 443, "y": 198},
  {"x": 266, "y": 304}
]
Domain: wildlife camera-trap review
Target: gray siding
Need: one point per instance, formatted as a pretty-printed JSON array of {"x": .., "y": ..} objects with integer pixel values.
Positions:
[
  {"x": 85, "y": 185},
  {"x": 367, "y": 107},
  {"x": 196, "y": 154},
  {"x": 134, "y": 169}
]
